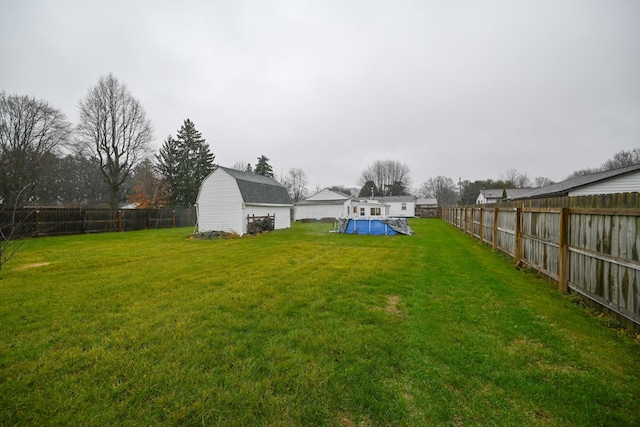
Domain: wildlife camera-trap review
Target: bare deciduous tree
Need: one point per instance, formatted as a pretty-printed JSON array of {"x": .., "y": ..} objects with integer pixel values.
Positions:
[
  {"x": 30, "y": 130},
  {"x": 12, "y": 229},
  {"x": 239, "y": 166},
  {"x": 517, "y": 179},
  {"x": 441, "y": 188},
  {"x": 149, "y": 189},
  {"x": 541, "y": 181},
  {"x": 296, "y": 183},
  {"x": 114, "y": 128},
  {"x": 387, "y": 175},
  {"x": 622, "y": 159}
]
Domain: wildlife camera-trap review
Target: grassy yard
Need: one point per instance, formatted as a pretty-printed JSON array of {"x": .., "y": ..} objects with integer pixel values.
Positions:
[{"x": 301, "y": 327}]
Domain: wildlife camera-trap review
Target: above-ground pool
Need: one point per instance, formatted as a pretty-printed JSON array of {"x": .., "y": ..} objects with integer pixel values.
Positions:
[{"x": 377, "y": 227}]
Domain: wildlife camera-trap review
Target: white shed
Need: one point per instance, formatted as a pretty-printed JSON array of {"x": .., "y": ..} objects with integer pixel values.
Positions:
[{"x": 228, "y": 196}]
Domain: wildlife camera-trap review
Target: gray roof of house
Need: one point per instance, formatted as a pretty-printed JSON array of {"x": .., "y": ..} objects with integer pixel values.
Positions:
[
  {"x": 389, "y": 199},
  {"x": 496, "y": 193},
  {"x": 256, "y": 188},
  {"x": 322, "y": 202},
  {"x": 563, "y": 188},
  {"x": 426, "y": 201}
]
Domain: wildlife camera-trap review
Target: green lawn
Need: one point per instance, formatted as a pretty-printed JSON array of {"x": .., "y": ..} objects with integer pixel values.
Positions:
[{"x": 301, "y": 327}]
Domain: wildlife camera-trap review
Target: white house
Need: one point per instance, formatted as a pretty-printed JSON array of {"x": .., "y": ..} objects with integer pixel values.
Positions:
[
  {"x": 334, "y": 204},
  {"x": 399, "y": 206},
  {"x": 324, "y": 204},
  {"x": 228, "y": 196},
  {"x": 496, "y": 195},
  {"x": 368, "y": 208}
]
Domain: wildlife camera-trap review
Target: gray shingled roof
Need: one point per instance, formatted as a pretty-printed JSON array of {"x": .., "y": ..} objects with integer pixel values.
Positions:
[
  {"x": 256, "y": 188},
  {"x": 388, "y": 199},
  {"x": 321, "y": 202},
  {"x": 496, "y": 193},
  {"x": 563, "y": 188}
]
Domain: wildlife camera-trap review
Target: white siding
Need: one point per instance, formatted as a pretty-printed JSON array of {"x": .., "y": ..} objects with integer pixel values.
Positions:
[
  {"x": 220, "y": 204},
  {"x": 282, "y": 213},
  {"x": 625, "y": 184},
  {"x": 327, "y": 194},
  {"x": 395, "y": 209},
  {"x": 320, "y": 211}
]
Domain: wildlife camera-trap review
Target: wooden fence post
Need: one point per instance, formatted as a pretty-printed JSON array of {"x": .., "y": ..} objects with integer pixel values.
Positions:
[
  {"x": 463, "y": 216},
  {"x": 173, "y": 219},
  {"x": 563, "y": 252},
  {"x": 480, "y": 226},
  {"x": 120, "y": 228},
  {"x": 518, "y": 249},
  {"x": 37, "y": 223}
]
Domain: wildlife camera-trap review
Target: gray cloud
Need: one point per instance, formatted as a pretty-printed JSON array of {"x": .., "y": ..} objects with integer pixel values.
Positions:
[{"x": 462, "y": 88}]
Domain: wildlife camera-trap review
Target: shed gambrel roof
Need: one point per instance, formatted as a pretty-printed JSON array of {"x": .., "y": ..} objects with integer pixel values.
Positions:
[
  {"x": 563, "y": 188},
  {"x": 261, "y": 189}
]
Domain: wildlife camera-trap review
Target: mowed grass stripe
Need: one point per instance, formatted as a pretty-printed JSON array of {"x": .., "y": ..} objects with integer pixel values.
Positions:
[{"x": 300, "y": 327}]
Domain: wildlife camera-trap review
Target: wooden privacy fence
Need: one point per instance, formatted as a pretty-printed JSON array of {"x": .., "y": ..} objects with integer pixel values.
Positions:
[
  {"x": 592, "y": 251},
  {"x": 60, "y": 221}
]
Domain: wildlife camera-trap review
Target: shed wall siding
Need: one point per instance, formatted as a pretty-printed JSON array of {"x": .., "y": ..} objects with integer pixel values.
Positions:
[
  {"x": 220, "y": 204},
  {"x": 624, "y": 184}
]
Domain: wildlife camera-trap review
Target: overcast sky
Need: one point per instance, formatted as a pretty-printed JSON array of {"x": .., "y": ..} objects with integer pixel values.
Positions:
[{"x": 464, "y": 89}]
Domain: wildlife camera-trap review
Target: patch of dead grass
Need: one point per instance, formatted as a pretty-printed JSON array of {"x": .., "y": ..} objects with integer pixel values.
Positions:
[
  {"x": 392, "y": 305},
  {"x": 34, "y": 265}
]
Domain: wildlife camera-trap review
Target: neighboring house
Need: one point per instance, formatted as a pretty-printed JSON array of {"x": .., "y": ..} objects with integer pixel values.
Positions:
[
  {"x": 496, "y": 195},
  {"x": 399, "y": 206},
  {"x": 334, "y": 204},
  {"x": 324, "y": 204},
  {"x": 623, "y": 180},
  {"x": 228, "y": 196}
]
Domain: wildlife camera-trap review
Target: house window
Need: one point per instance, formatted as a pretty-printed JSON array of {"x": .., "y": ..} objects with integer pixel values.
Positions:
[
  {"x": 375, "y": 211},
  {"x": 362, "y": 212},
  {"x": 355, "y": 210},
  {"x": 404, "y": 206}
]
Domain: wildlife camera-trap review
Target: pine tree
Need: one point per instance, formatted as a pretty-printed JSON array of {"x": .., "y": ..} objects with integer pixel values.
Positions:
[
  {"x": 263, "y": 167},
  {"x": 167, "y": 163},
  {"x": 184, "y": 162}
]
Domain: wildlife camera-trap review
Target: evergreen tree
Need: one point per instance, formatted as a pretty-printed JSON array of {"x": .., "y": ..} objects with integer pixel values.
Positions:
[
  {"x": 397, "y": 189},
  {"x": 184, "y": 162},
  {"x": 369, "y": 189},
  {"x": 167, "y": 164},
  {"x": 263, "y": 167}
]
